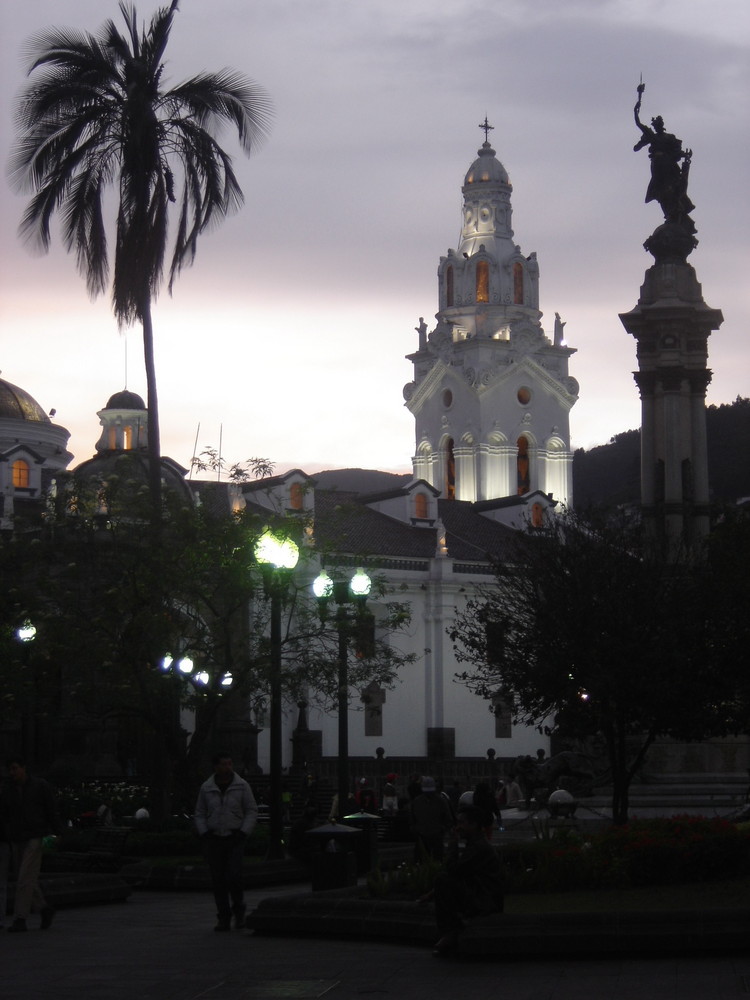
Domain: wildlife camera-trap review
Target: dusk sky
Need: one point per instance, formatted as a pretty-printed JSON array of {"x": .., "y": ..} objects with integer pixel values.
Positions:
[{"x": 290, "y": 329}]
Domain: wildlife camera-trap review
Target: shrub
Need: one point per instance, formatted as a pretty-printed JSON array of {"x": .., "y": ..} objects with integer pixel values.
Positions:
[
  {"x": 168, "y": 839},
  {"x": 405, "y": 881},
  {"x": 78, "y": 803},
  {"x": 671, "y": 849},
  {"x": 645, "y": 852}
]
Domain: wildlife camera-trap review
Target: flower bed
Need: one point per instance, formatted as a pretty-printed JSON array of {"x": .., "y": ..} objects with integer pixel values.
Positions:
[{"x": 645, "y": 852}]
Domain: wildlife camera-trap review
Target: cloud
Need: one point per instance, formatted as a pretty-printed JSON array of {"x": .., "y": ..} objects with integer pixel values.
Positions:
[{"x": 305, "y": 302}]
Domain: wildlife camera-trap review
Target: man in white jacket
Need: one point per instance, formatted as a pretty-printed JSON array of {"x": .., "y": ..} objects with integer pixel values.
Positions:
[{"x": 225, "y": 814}]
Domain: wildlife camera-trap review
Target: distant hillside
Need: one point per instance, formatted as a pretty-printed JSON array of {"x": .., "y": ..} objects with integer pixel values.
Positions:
[
  {"x": 359, "y": 480},
  {"x": 611, "y": 472}
]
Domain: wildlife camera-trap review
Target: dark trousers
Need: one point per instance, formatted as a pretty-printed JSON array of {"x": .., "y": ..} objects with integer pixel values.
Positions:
[
  {"x": 224, "y": 856},
  {"x": 428, "y": 847},
  {"x": 454, "y": 899}
]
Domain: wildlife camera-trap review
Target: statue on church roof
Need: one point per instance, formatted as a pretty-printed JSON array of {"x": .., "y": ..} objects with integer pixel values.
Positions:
[
  {"x": 669, "y": 177},
  {"x": 559, "y": 331}
]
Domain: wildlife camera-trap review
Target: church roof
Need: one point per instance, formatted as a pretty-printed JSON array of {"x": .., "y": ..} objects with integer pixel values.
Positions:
[
  {"x": 346, "y": 525},
  {"x": 17, "y": 404}
]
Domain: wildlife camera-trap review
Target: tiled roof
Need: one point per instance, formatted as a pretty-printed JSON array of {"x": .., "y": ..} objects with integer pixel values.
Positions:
[{"x": 345, "y": 525}]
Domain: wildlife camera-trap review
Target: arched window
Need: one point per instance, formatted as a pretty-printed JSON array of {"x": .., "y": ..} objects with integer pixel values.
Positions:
[
  {"x": 296, "y": 496},
  {"x": 127, "y": 437},
  {"x": 483, "y": 281},
  {"x": 537, "y": 515},
  {"x": 112, "y": 438},
  {"x": 522, "y": 466},
  {"x": 518, "y": 283},
  {"x": 449, "y": 286},
  {"x": 420, "y": 506},
  {"x": 450, "y": 470},
  {"x": 21, "y": 474}
]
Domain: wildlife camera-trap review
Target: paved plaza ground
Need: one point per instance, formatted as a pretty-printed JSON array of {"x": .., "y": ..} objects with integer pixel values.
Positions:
[{"x": 160, "y": 946}]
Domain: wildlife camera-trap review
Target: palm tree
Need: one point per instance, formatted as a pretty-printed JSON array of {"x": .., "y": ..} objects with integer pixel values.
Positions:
[{"x": 98, "y": 116}]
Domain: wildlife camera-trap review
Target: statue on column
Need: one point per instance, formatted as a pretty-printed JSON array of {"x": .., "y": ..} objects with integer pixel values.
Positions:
[{"x": 669, "y": 177}]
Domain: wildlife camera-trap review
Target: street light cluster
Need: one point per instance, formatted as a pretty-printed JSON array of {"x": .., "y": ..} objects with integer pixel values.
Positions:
[
  {"x": 278, "y": 556},
  {"x": 184, "y": 667},
  {"x": 344, "y": 590}
]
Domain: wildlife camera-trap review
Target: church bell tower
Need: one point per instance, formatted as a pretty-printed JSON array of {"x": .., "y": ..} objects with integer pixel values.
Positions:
[{"x": 491, "y": 393}]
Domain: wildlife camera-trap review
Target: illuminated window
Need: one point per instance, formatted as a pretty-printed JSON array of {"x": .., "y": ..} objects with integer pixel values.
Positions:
[
  {"x": 420, "y": 505},
  {"x": 524, "y": 395},
  {"x": 449, "y": 286},
  {"x": 127, "y": 439},
  {"x": 112, "y": 438},
  {"x": 483, "y": 281},
  {"x": 518, "y": 283},
  {"x": 21, "y": 474},
  {"x": 537, "y": 515},
  {"x": 450, "y": 470},
  {"x": 522, "y": 466},
  {"x": 296, "y": 496}
]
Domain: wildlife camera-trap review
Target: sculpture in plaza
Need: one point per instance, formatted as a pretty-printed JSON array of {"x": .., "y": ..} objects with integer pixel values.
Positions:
[
  {"x": 546, "y": 774},
  {"x": 670, "y": 168}
]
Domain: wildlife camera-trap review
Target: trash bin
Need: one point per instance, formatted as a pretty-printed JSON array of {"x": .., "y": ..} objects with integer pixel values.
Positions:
[
  {"x": 333, "y": 859},
  {"x": 366, "y": 847}
]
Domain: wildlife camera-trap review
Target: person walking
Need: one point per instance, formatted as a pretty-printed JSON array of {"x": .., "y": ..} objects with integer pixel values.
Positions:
[
  {"x": 430, "y": 818},
  {"x": 32, "y": 816},
  {"x": 471, "y": 883},
  {"x": 225, "y": 815}
]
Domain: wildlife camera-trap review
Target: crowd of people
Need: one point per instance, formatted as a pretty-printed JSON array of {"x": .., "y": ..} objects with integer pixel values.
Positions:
[{"x": 448, "y": 825}]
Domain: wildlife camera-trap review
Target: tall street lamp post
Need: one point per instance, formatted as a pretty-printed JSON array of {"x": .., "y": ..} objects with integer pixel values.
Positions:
[
  {"x": 277, "y": 556},
  {"x": 343, "y": 592},
  {"x": 26, "y": 634}
]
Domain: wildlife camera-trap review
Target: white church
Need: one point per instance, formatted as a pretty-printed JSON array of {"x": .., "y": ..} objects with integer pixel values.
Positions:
[{"x": 491, "y": 396}]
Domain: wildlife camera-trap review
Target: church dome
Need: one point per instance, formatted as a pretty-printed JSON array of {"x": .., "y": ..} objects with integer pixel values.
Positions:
[
  {"x": 127, "y": 472},
  {"x": 17, "y": 404},
  {"x": 125, "y": 400},
  {"x": 486, "y": 169}
]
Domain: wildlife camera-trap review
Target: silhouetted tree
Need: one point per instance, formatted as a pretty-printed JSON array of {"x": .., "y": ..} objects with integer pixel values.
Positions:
[
  {"x": 110, "y": 606},
  {"x": 585, "y": 636},
  {"x": 96, "y": 116}
]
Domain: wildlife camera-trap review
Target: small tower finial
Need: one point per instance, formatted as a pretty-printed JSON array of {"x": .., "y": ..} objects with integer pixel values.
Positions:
[{"x": 487, "y": 128}]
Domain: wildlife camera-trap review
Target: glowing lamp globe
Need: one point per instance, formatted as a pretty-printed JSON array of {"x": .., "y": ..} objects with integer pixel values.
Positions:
[
  {"x": 360, "y": 584},
  {"x": 322, "y": 585},
  {"x": 26, "y": 632},
  {"x": 281, "y": 553}
]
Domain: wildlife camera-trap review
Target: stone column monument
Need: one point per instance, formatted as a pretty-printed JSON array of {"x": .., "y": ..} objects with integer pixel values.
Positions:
[{"x": 671, "y": 324}]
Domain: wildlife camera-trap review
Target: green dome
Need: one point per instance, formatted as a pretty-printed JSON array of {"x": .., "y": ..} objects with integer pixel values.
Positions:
[{"x": 17, "y": 404}]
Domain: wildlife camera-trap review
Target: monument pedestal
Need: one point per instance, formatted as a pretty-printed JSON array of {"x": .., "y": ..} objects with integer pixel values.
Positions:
[{"x": 671, "y": 324}]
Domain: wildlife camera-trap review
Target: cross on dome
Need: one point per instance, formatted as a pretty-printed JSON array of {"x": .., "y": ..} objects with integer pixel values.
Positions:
[{"x": 487, "y": 129}]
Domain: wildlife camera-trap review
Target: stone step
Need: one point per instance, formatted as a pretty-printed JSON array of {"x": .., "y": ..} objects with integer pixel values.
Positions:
[{"x": 342, "y": 914}]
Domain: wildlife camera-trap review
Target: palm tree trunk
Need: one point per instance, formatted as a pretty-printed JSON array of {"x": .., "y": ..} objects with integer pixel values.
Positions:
[{"x": 154, "y": 443}]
